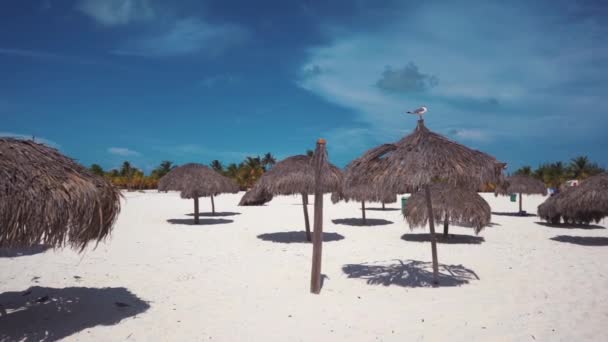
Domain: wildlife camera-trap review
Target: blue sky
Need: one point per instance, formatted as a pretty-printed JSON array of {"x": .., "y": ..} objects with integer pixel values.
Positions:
[{"x": 192, "y": 81}]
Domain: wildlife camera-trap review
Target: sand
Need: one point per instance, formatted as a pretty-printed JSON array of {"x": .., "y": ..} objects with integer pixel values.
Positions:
[{"x": 160, "y": 280}]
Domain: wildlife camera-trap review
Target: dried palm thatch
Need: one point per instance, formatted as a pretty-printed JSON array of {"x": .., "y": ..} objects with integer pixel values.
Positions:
[
  {"x": 360, "y": 179},
  {"x": 295, "y": 175},
  {"x": 423, "y": 158},
  {"x": 521, "y": 184},
  {"x": 196, "y": 180},
  {"x": 459, "y": 206},
  {"x": 255, "y": 196},
  {"x": 47, "y": 198},
  {"x": 583, "y": 204}
]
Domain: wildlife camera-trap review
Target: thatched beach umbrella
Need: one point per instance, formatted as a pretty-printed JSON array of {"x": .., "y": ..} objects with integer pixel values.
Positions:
[
  {"x": 255, "y": 196},
  {"x": 423, "y": 158},
  {"x": 360, "y": 181},
  {"x": 582, "y": 204},
  {"x": 196, "y": 180},
  {"x": 295, "y": 175},
  {"x": 521, "y": 184},
  {"x": 47, "y": 198},
  {"x": 460, "y": 206}
]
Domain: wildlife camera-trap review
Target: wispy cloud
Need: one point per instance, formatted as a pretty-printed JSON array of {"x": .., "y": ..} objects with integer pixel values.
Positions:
[
  {"x": 116, "y": 12},
  {"x": 30, "y": 137},
  {"x": 123, "y": 152},
  {"x": 54, "y": 57},
  {"x": 187, "y": 36},
  {"x": 220, "y": 79}
]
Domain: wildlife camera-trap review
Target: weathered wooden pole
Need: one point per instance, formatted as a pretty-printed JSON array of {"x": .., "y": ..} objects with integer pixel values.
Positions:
[
  {"x": 429, "y": 206},
  {"x": 212, "y": 206},
  {"x": 446, "y": 225},
  {"x": 318, "y": 162},
  {"x": 520, "y": 207},
  {"x": 195, "y": 210},
  {"x": 383, "y": 208},
  {"x": 363, "y": 211},
  {"x": 306, "y": 222}
]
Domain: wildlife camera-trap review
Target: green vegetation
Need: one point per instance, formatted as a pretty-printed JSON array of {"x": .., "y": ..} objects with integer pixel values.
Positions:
[{"x": 555, "y": 174}]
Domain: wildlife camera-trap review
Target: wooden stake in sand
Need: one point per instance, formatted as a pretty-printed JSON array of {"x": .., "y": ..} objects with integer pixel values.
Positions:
[{"x": 318, "y": 161}]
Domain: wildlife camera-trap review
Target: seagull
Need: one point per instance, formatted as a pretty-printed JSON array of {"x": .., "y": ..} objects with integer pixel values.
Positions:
[{"x": 418, "y": 111}]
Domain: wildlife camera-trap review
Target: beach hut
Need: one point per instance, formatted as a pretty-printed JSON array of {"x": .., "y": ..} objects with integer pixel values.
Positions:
[
  {"x": 423, "y": 158},
  {"x": 582, "y": 204},
  {"x": 360, "y": 182},
  {"x": 295, "y": 175},
  {"x": 255, "y": 196},
  {"x": 521, "y": 184},
  {"x": 48, "y": 198},
  {"x": 459, "y": 206},
  {"x": 196, "y": 180}
]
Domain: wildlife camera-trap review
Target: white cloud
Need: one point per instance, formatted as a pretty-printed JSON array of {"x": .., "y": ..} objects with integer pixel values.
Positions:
[
  {"x": 30, "y": 137},
  {"x": 123, "y": 152},
  {"x": 187, "y": 36},
  {"x": 116, "y": 12}
]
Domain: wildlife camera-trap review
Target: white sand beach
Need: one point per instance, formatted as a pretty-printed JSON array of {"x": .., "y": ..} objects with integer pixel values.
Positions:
[{"x": 160, "y": 280}]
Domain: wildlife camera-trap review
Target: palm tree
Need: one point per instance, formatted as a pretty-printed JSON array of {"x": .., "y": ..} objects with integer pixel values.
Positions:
[
  {"x": 268, "y": 161},
  {"x": 217, "y": 166},
  {"x": 582, "y": 168},
  {"x": 232, "y": 171},
  {"x": 97, "y": 170},
  {"x": 126, "y": 170},
  {"x": 163, "y": 169},
  {"x": 310, "y": 153},
  {"x": 524, "y": 170}
]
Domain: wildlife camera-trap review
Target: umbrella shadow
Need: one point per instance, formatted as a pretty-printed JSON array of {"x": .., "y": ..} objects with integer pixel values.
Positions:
[
  {"x": 582, "y": 240},
  {"x": 380, "y": 209},
  {"x": 296, "y": 237},
  {"x": 514, "y": 214},
  {"x": 217, "y": 213},
  {"x": 19, "y": 252},
  {"x": 353, "y": 221},
  {"x": 570, "y": 226},
  {"x": 201, "y": 222},
  {"x": 410, "y": 273},
  {"x": 454, "y": 239},
  {"x": 50, "y": 314}
]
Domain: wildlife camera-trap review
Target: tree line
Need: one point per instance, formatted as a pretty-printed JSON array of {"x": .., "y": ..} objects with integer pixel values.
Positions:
[
  {"x": 557, "y": 173},
  {"x": 245, "y": 173}
]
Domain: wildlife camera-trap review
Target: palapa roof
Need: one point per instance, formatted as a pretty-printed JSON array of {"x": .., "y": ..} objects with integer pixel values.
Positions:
[
  {"x": 295, "y": 175},
  {"x": 48, "y": 198},
  {"x": 424, "y": 157},
  {"x": 463, "y": 207},
  {"x": 255, "y": 196},
  {"x": 523, "y": 184},
  {"x": 584, "y": 203},
  {"x": 362, "y": 175},
  {"x": 196, "y": 180}
]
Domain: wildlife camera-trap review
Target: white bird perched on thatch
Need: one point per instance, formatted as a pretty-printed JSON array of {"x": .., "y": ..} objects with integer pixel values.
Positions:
[{"x": 419, "y": 111}]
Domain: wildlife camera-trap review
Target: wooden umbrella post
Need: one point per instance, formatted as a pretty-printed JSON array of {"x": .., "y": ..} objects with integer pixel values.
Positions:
[
  {"x": 306, "y": 222},
  {"x": 363, "y": 211},
  {"x": 318, "y": 161},
  {"x": 429, "y": 206},
  {"x": 520, "y": 206},
  {"x": 446, "y": 225},
  {"x": 212, "y": 206},
  {"x": 195, "y": 210}
]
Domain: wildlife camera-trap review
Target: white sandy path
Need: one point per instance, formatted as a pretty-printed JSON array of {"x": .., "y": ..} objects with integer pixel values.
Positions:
[{"x": 220, "y": 282}]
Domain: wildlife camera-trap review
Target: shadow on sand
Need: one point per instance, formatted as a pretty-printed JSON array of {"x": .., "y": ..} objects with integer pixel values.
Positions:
[
  {"x": 18, "y": 252},
  {"x": 359, "y": 222},
  {"x": 451, "y": 239},
  {"x": 217, "y": 213},
  {"x": 380, "y": 209},
  {"x": 570, "y": 226},
  {"x": 296, "y": 237},
  {"x": 50, "y": 314},
  {"x": 410, "y": 273},
  {"x": 582, "y": 240},
  {"x": 201, "y": 222},
  {"x": 514, "y": 214}
]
